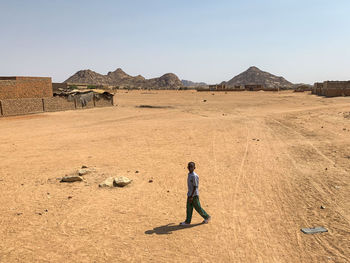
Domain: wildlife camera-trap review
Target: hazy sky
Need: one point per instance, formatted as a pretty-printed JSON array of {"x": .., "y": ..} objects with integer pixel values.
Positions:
[{"x": 199, "y": 40}]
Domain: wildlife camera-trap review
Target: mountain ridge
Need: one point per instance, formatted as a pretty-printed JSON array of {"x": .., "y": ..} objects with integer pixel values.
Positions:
[
  {"x": 254, "y": 76},
  {"x": 189, "y": 83},
  {"x": 122, "y": 79}
]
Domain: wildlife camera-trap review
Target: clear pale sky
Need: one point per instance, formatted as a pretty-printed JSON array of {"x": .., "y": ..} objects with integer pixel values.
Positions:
[{"x": 199, "y": 40}]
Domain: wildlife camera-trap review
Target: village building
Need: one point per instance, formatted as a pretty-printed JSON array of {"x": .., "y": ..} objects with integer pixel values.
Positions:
[
  {"x": 25, "y": 87},
  {"x": 254, "y": 87},
  {"x": 28, "y": 95},
  {"x": 332, "y": 88},
  {"x": 336, "y": 88}
]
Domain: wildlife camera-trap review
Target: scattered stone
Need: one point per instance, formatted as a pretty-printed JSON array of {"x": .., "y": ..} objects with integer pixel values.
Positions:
[
  {"x": 18, "y": 214},
  {"x": 168, "y": 191},
  {"x": 154, "y": 107},
  {"x": 253, "y": 139},
  {"x": 326, "y": 169},
  {"x": 204, "y": 100},
  {"x": 122, "y": 181},
  {"x": 39, "y": 214},
  {"x": 71, "y": 179},
  {"x": 84, "y": 167},
  {"x": 323, "y": 207},
  {"x": 344, "y": 129},
  {"x": 84, "y": 171},
  {"x": 22, "y": 184},
  {"x": 321, "y": 127},
  {"x": 46, "y": 210},
  {"x": 314, "y": 230},
  {"x": 136, "y": 172},
  {"x": 257, "y": 140},
  {"x": 150, "y": 181},
  {"x": 109, "y": 182},
  {"x": 70, "y": 197}
]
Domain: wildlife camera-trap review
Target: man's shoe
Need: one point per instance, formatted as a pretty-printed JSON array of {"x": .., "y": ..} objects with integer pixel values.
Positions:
[
  {"x": 184, "y": 224},
  {"x": 206, "y": 221}
]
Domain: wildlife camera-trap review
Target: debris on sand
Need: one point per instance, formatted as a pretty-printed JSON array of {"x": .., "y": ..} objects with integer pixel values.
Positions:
[
  {"x": 314, "y": 230},
  {"x": 84, "y": 167},
  {"x": 204, "y": 100},
  {"x": 122, "y": 181},
  {"x": 71, "y": 179},
  {"x": 109, "y": 182},
  {"x": 150, "y": 181},
  {"x": 83, "y": 171},
  {"x": 136, "y": 172},
  {"x": 346, "y": 115},
  {"x": 154, "y": 107},
  {"x": 115, "y": 182},
  {"x": 322, "y": 207}
]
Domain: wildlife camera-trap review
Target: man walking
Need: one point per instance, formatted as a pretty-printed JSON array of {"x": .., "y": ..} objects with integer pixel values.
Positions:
[{"x": 193, "y": 196}]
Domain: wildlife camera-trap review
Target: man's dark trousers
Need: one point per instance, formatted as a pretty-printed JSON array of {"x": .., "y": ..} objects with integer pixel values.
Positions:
[{"x": 197, "y": 205}]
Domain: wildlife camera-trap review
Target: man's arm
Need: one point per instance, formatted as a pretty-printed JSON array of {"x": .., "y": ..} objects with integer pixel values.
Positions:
[
  {"x": 194, "y": 189},
  {"x": 190, "y": 198},
  {"x": 195, "y": 185}
]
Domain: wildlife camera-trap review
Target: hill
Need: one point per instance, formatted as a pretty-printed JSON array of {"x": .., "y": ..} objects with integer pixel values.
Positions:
[
  {"x": 253, "y": 75},
  {"x": 188, "y": 83},
  {"x": 123, "y": 80}
]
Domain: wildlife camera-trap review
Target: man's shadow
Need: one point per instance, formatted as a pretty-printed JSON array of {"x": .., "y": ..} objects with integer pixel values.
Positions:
[{"x": 169, "y": 228}]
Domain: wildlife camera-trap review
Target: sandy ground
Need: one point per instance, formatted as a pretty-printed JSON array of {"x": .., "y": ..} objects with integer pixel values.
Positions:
[{"x": 266, "y": 161}]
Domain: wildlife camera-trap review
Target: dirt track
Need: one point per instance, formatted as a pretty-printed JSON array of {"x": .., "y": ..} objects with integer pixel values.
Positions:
[{"x": 266, "y": 161}]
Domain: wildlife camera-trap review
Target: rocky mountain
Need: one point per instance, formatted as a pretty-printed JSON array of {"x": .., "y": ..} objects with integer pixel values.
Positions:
[
  {"x": 188, "y": 83},
  {"x": 253, "y": 75},
  {"x": 123, "y": 80}
]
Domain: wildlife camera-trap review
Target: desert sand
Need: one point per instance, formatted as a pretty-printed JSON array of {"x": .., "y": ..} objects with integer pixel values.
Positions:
[{"x": 267, "y": 161}]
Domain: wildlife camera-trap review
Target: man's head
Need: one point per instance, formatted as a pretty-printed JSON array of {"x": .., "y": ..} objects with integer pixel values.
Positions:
[{"x": 191, "y": 166}]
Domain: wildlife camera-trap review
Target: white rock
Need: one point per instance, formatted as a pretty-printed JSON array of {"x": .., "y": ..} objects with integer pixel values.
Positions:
[
  {"x": 122, "y": 181},
  {"x": 84, "y": 171},
  {"x": 71, "y": 179},
  {"x": 109, "y": 182}
]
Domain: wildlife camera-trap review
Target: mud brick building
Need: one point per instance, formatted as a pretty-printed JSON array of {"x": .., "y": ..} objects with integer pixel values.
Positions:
[
  {"x": 25, "y": 87},
  {"x": 27, "y": 95},
  {"x": 332, "y": 88},
  {"x": 255, "y": 87},
  {"x": 336, "y": 88}
]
